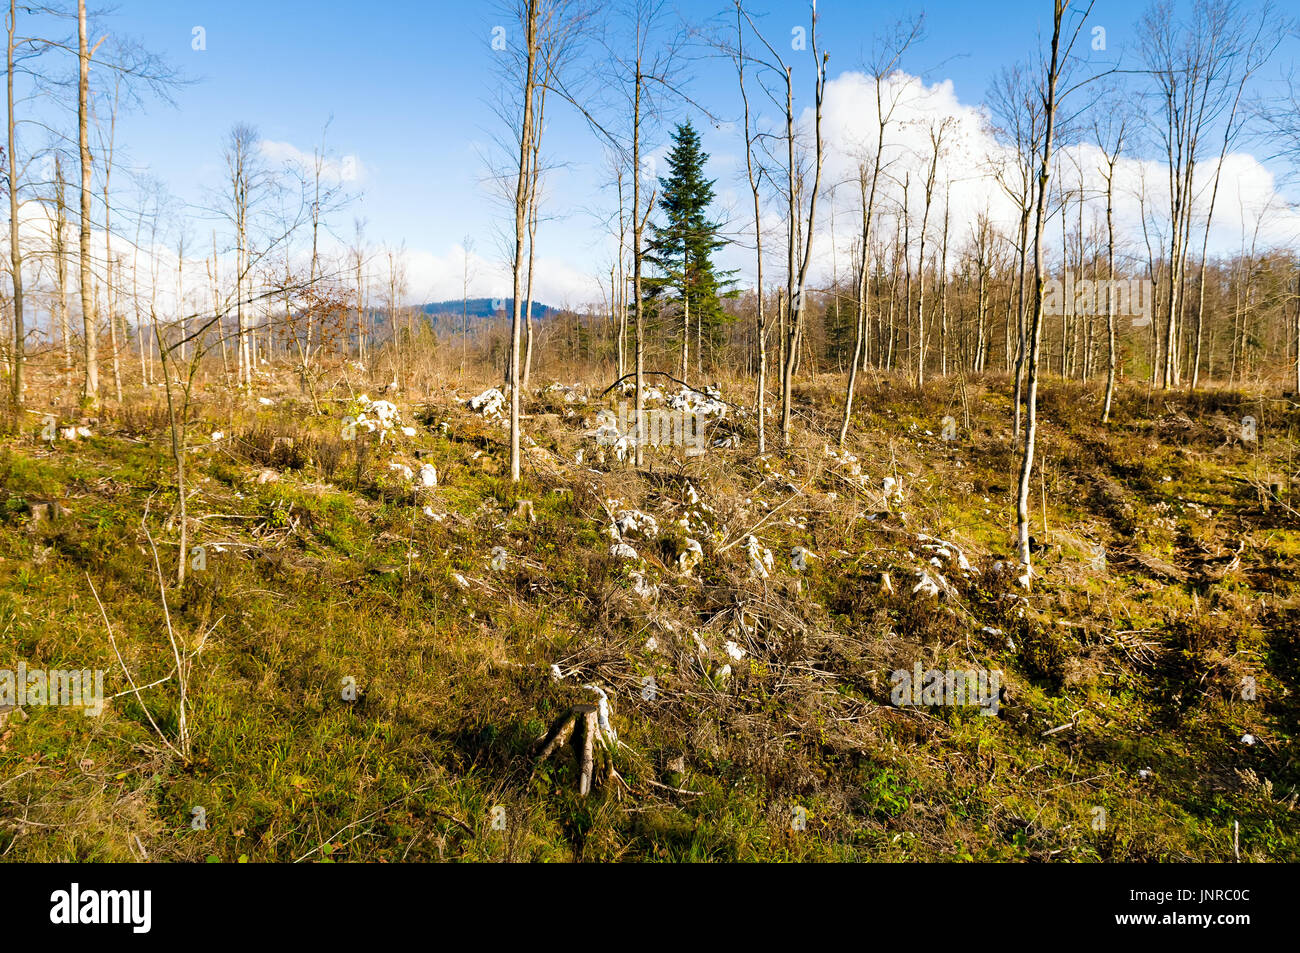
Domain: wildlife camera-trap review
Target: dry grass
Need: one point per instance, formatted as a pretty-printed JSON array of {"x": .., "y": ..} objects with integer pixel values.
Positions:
[{"x": 330, "y": 573}]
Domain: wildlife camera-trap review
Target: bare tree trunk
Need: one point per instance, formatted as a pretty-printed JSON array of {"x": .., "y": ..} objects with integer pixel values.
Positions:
[
  {"x": 638, "y": 223},
  {"x": 108, "y": 247},
  {"x": 864, "y": 285},
  {"x": 534, "y": 177},
  {"x": 84, "y": 53},
  {"x": 1065, "y": 264},
  {"x": 239, "y": 157},
  {"x": 135, "y": 291},
  {"x": 1228, "y": 134},
  {"x": 1111, "y": 160},
  {"x": 686, "y": 331},
  {"x": 61, "y": 265},
  {"x": 907, "y": 264},
  {"x": 15, "y": 249},
  {"x": 180, "y": 296},
  {"x": 1044, "y": 175},
  {"x": 781, "y": 320},
  {"x": 1020, "y": 320},
  {"x": 214, "y": 280},
  {"x": 943, "y": 287},
  {"x": 620, "y": 290},
  {"x": 799, "y": 296},
  {"x": 523, "y": 195},
  {"x": 1297, "y": 333},
  {"x": 792, "y": 293},
  {"x": 936, "y": 143},
  {"x": 881, "y": 69}
]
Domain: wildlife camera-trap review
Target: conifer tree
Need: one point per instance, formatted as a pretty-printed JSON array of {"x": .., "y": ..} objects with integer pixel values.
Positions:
[{"x": 682, "y": 247}]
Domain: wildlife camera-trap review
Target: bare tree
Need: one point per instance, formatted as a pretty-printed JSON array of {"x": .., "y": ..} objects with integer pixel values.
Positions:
[
  {"x": 396, "y": 261},
  {"x": 357, "y": 257},
  {"x": 550, "y": 30},
  {"x": 1191, "y": 65},
  {"x": 248, "y": 181},
  {"x": 642, "y": 76},
  {"x": 15, "y": 249},
  {"x": 59, "y": 247},
  {"x": 1252, "y": 54},
  {"x": 85, "y": 52},
  {"x": 1018, "y": 106},
  {"x": 106, "y": 145},
  {"x": 937, "y": 131},
  {"x": 1052, "y": 74},
  {"x": 1110, "y": 140},
  {"x": 982, "y": 250},
  {"x": 466, "y": 249},
  {"x": 890, "y": 52},
  {"x": 529, "y": 15},
  {"x": 798, "y": 259},
  {"x": 755, "y": 179},
  {"x": 1282, "y": 120}
]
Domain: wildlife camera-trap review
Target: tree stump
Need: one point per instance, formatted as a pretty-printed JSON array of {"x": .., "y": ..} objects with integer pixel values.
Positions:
[
  {"x": 584, "y": 742},
  {"x": 589, "y": 729}
]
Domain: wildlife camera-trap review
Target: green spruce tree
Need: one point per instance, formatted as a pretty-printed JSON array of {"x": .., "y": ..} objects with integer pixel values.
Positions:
[{"x": 688, "y": 288}]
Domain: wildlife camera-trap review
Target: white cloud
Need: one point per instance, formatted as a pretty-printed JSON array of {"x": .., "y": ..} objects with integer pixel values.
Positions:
[
  {"x": 438, "y": 276},
  {"x": 1248, "y": 206},
  {"x": 346, "y": 169}
]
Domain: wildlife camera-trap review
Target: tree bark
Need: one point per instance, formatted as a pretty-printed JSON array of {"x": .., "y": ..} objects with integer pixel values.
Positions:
[
  {"x": 90, "y": 391},
  {"x": 15, "y": 249},
  {"x": 1031, "y": 411}
]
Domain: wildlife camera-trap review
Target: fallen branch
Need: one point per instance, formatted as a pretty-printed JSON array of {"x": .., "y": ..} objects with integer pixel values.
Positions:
[
  {"x": 669, "y": 787},
  {"x": 121, "y": 661}
]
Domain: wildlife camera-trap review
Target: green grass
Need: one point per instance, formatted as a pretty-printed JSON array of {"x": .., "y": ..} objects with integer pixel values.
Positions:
[{"x": 331, "y": 576}]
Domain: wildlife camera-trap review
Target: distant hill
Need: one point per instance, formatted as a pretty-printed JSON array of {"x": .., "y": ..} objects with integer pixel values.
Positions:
[{"x": 483, "y": 308}]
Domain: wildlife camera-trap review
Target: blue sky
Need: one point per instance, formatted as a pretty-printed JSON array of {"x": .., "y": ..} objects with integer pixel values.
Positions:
[{"x": 408, "y": 85}]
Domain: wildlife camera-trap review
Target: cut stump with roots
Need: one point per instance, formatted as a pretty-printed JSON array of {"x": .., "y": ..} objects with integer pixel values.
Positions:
[{"x": 585, "y": 748}]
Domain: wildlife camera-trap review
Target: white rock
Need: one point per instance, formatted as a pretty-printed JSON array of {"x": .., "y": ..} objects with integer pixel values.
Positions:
[
  {"x": 927, "y": 586},
  {"x": 704, "y": 403},
  {"x": 893, "y": 491},
  {"x": 692, "y": 557},
  {"x": 760, "y": 559},
  {"x": 628, "y": 522},
  {"x": 491, "y": 403},
  {"x": 602, "y": 715},
  {"x": 645, "y": 590}
]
